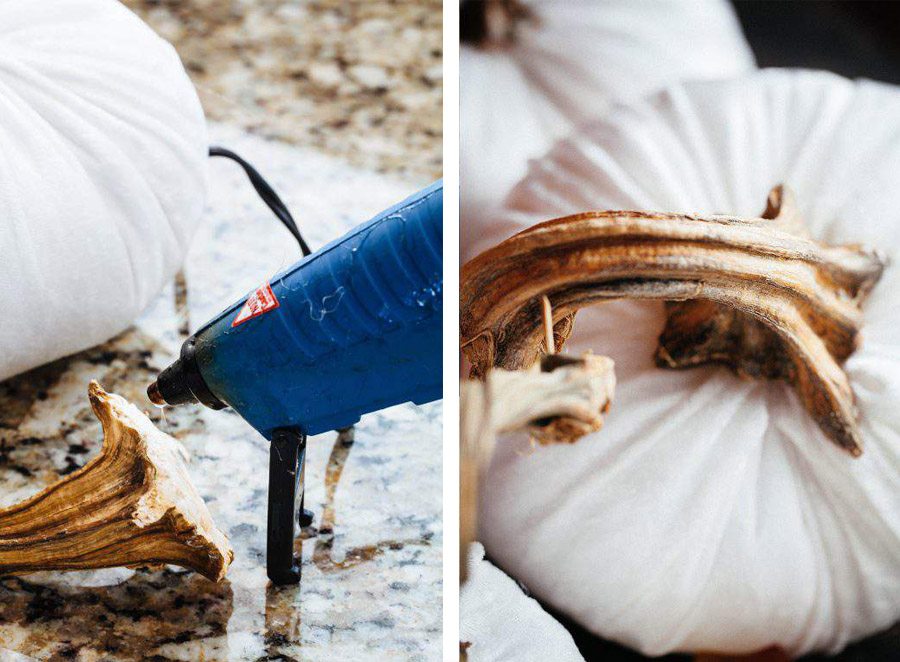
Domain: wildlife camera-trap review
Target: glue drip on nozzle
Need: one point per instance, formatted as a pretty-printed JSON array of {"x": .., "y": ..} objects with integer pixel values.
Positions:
[{"x": 154, "y": 395}]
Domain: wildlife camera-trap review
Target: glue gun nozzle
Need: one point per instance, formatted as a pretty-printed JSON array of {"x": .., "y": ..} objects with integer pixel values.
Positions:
[{"x": 154, "y": 394}]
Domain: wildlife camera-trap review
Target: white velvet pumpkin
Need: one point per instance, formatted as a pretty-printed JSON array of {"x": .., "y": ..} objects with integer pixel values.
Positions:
[
  {"x": 502, "y": 624},
  {"x": 711, "y": 513},
  {"x": 102, "y": 174},
  {"x": 566, "y": 64}
]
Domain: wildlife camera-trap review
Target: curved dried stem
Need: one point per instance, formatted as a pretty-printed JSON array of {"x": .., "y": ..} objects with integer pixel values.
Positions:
[
  {"x": 561, "y": 402},
  {"x": 754, "y": 294},
  {"x": 133, "y": 504}
]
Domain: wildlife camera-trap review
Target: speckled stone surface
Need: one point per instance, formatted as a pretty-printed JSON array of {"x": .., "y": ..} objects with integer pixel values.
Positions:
[
  {"x": 356, "y": 78},
  {"x": 372, "y": 559}
]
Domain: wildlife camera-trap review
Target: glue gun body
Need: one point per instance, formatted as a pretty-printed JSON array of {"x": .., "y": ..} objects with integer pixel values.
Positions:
[{"x": 352, "y": 328}]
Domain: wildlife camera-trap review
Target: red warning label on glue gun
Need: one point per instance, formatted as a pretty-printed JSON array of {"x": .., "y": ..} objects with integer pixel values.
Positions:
[{"x": 261, "y": 301}]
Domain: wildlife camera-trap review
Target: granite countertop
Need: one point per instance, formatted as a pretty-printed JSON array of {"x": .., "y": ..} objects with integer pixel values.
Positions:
[
  {"x": 372, "y": 559},
  {"x": 361, "y": 80}
]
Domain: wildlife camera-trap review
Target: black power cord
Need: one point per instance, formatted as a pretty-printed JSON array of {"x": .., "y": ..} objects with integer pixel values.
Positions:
[{"x": 267, "y": 193}]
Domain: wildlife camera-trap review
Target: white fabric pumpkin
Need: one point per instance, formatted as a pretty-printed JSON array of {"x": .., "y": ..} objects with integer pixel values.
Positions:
[
  {"x": 565, "y": 65},
  {"x": 502, "y": 624},
  {"x": 102, "y": 175},
  {"x": 711, "y": 513}
]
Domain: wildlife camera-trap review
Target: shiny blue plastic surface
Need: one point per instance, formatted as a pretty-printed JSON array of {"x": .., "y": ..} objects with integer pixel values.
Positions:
[{"x": 357, "y": 328}]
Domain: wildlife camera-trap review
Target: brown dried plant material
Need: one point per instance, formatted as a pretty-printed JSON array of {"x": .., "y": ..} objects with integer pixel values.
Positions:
[
  {"x": 133, "y": 504},
  {"x": 561, "y": 401},
  {"x": 755, "y": 294},
  {"x": 493, "y": 24}
]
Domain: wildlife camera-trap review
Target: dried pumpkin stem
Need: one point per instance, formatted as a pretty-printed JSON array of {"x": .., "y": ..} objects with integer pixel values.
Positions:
[
  {"x": 755, "y": 294},
  {"x": 133, "y": 504}
]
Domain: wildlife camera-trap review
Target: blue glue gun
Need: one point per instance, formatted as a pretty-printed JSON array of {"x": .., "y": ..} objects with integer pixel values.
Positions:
[{"x": 350, "y": 329}]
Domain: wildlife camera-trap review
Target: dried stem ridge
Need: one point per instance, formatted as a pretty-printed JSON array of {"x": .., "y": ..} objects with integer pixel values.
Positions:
[
  {"x": 755, "y": 294},
  {"x": 133, "y": 504}
]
